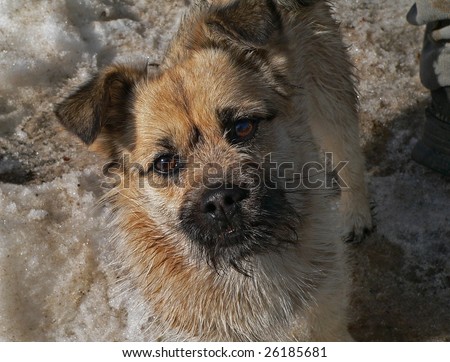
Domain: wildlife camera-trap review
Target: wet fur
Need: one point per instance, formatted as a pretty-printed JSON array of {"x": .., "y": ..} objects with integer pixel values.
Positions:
[{"x": 282, "y": 60}]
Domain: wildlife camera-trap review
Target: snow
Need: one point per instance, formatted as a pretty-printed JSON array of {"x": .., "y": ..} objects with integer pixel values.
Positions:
[{"x": 57, "y": 279}]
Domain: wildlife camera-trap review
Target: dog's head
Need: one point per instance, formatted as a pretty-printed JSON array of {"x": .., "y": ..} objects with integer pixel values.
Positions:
[{"x": 199, "y": 140}]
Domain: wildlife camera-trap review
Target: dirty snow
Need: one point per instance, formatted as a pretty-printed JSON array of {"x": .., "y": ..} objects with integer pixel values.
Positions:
[{"x": 56, "y": 277}]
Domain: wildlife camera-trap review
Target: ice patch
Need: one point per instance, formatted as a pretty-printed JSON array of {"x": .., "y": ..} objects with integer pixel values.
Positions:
[
  {"x": 11, "y": 208},
  {"x": 37, "y": 214}
]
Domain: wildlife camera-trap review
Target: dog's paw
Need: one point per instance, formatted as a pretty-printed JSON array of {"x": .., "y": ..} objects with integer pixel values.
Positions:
[
  {"x": 358, "y": 224},
  {"x": 357, "y": 235}
]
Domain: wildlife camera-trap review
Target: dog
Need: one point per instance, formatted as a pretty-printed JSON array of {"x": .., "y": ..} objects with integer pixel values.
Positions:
[{"x": 220, "y": 248}]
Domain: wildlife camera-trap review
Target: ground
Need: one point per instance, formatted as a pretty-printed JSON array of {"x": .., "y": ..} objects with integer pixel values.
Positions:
[{"x": 53, "y": 250}]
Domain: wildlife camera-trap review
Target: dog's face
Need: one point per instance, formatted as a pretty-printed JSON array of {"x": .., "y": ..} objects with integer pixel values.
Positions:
[
  {"x": 199, "y": 140},
  {"x": 207, "y": 136}
]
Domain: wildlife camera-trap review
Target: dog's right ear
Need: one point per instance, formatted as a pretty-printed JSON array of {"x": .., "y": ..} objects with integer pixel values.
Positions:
[
  {"x": 249, "y": 23},
  {"x": 100, "y": 110},
  {"x": 252, "y": 22}
]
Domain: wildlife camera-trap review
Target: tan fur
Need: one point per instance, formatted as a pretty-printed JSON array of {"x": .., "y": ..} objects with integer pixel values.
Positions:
[{"x": 250, "y": 56}]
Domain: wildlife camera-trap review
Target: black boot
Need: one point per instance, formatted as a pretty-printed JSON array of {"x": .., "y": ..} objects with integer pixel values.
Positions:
[{"x": 433, "y": 150}]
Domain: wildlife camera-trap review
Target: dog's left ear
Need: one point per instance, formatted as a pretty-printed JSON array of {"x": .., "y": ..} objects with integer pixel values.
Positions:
[{"x": 249, "y": 23}]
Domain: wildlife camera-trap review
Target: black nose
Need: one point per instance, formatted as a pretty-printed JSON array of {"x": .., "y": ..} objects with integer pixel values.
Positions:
[{"x": 222, "y": 203}]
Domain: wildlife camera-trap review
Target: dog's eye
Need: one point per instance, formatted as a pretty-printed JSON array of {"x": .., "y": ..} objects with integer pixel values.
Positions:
[
  {"x": 244, "y": 129},
  {"x": 167, "y": 163}
]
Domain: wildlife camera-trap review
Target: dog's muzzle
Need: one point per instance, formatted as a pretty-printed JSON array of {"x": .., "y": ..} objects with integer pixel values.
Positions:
[{"x": 229, "y": 224}]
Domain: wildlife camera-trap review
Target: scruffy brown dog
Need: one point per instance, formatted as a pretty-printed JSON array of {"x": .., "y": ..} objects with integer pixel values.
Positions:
[{"x": 224, "y": 217}]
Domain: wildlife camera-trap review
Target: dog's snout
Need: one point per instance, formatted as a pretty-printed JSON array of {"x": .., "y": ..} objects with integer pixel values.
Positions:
[{"x": 222, "y": 203}]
